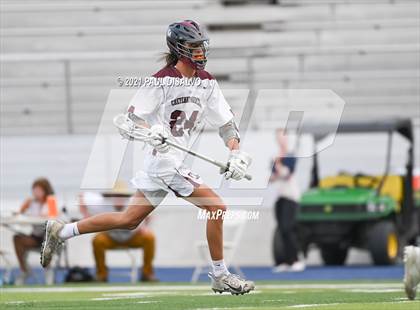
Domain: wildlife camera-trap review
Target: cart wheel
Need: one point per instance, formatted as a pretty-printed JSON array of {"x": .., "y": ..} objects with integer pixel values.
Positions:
[{"x": 383, "y": 243}]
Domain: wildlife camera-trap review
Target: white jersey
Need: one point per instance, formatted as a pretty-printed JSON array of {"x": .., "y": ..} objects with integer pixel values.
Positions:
[{"x": 182, "y": 110}]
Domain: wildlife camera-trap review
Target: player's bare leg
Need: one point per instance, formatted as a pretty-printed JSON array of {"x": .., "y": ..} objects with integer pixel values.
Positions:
[
  {"x": 138, "y": 209},
  {"x": 56, "y": 232},
  {"x": 205, "y": 198},
  {"x": 222, "y": 281}
]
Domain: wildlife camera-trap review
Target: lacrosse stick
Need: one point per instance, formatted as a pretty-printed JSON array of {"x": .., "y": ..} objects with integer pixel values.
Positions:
[{"x": 140, "y": 133}]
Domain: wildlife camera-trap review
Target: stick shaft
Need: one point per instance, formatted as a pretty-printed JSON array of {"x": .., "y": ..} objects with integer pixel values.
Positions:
[
  {"x": 203, "y": 157},
  {"x": 120, "y": 125}
]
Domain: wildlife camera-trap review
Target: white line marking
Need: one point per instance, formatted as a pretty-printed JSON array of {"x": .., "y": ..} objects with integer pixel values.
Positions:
[
  {"x": 401, "y": 299},
  {"x": 190, "y": 288},
  {"x": 108, "y": 298},
  {"x": 143, "y": 295},
  {"x": 226, "y": 308},
  {"x": 17, "y": 302},
  {"x": 330, "y": 286},
  {"x": 381, "y": 290},
  {"x": 126, "y": 295},
  {"x": 314, "y": 305},
  {"x": 122, "y": 288}
]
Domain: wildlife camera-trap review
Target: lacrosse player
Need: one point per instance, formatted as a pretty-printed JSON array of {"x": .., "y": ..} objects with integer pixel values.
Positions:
[{"x": 175, "y": 113}]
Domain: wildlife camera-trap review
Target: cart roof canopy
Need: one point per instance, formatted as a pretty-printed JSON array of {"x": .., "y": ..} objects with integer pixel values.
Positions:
[{"x": 401, "y": 125}]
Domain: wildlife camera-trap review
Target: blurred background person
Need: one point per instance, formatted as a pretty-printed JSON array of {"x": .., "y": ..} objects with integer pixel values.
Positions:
[
  {"x": 411, "y": 270},
  {"x": 287, "y": 204},
  {"x": 117, "y": 200},
  {"x": 41, "y": 204}
]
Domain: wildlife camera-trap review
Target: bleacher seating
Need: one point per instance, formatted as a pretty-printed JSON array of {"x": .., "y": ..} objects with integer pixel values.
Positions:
[{"x": 62, "y": 57}]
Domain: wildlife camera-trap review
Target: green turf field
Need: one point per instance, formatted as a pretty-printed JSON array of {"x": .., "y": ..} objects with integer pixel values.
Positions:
[{"x": 268, "y": 295}]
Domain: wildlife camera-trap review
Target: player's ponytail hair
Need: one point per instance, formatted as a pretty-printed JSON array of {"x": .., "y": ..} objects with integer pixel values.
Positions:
[{"x": 171, "y": 59}]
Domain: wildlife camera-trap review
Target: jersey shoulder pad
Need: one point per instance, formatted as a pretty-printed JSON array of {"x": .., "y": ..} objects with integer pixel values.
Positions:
[
  {"x": 204, "y": 75},
  {"x": 167, "y": 71}
]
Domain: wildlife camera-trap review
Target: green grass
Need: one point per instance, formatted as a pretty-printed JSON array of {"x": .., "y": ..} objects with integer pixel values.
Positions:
[{"x": 268, "y": 295}]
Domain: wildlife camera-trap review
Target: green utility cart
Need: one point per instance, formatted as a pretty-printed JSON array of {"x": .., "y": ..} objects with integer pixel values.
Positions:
[{"x": 378, "y": 213}]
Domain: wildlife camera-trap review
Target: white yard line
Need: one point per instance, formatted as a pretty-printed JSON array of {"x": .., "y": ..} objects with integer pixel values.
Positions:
[
  {"x": 340, "y": 304},
  {"x": 109, "y": 298},
  {"x": 314, "y": 305},
  {"x": 380, "y": 290},
  {"x": 330, "y": 286},
  {"x": 226, "y": 308},
  {"x": 189, "y": 288},
  {"x": 104, "y": 289},
  {"x": 16, "y": 302},
  {"x": 126, "y": 295},
  {"x": 143, "y": 294},
  {"x": 129, "y": 296}
]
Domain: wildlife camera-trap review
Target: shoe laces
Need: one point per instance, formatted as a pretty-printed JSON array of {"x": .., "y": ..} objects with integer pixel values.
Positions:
[{"x": 235, "y": 279}]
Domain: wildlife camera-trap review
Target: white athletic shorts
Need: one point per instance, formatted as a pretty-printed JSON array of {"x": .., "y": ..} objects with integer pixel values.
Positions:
[{"x": 155, "y": 187}]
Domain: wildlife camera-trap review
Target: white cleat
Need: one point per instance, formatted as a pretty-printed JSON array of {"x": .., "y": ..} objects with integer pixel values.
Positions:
[
  {"x": 52, "y": 241},
  {"x": 230, "y": 283},
  {"x": 281, "y": 268},
  {"x": 411, "y": 270},
  {"x": 298, "y": 266}
]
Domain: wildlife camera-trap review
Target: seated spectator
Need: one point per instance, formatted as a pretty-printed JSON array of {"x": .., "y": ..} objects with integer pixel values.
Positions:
[
  {"x": 142, "y": 237},
  {"x": 41, "y": 204}
]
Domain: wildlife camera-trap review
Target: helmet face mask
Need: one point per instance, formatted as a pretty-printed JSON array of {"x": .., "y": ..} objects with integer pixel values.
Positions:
[
  {"x": 189, "y": 42},
  {"x": 195, "y": 52}
]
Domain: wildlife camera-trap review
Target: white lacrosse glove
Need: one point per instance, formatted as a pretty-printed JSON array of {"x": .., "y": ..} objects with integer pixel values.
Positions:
[
  {"x": 158, "y": 134},
  {"x": 125, "y": 135},
  {"x": 238, "y": 163}
]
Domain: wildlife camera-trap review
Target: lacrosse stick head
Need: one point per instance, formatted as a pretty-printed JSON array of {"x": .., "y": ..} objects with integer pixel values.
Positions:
[
  {"x": 128, "y": 127},
  {"x": 121, "y": 121}
]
